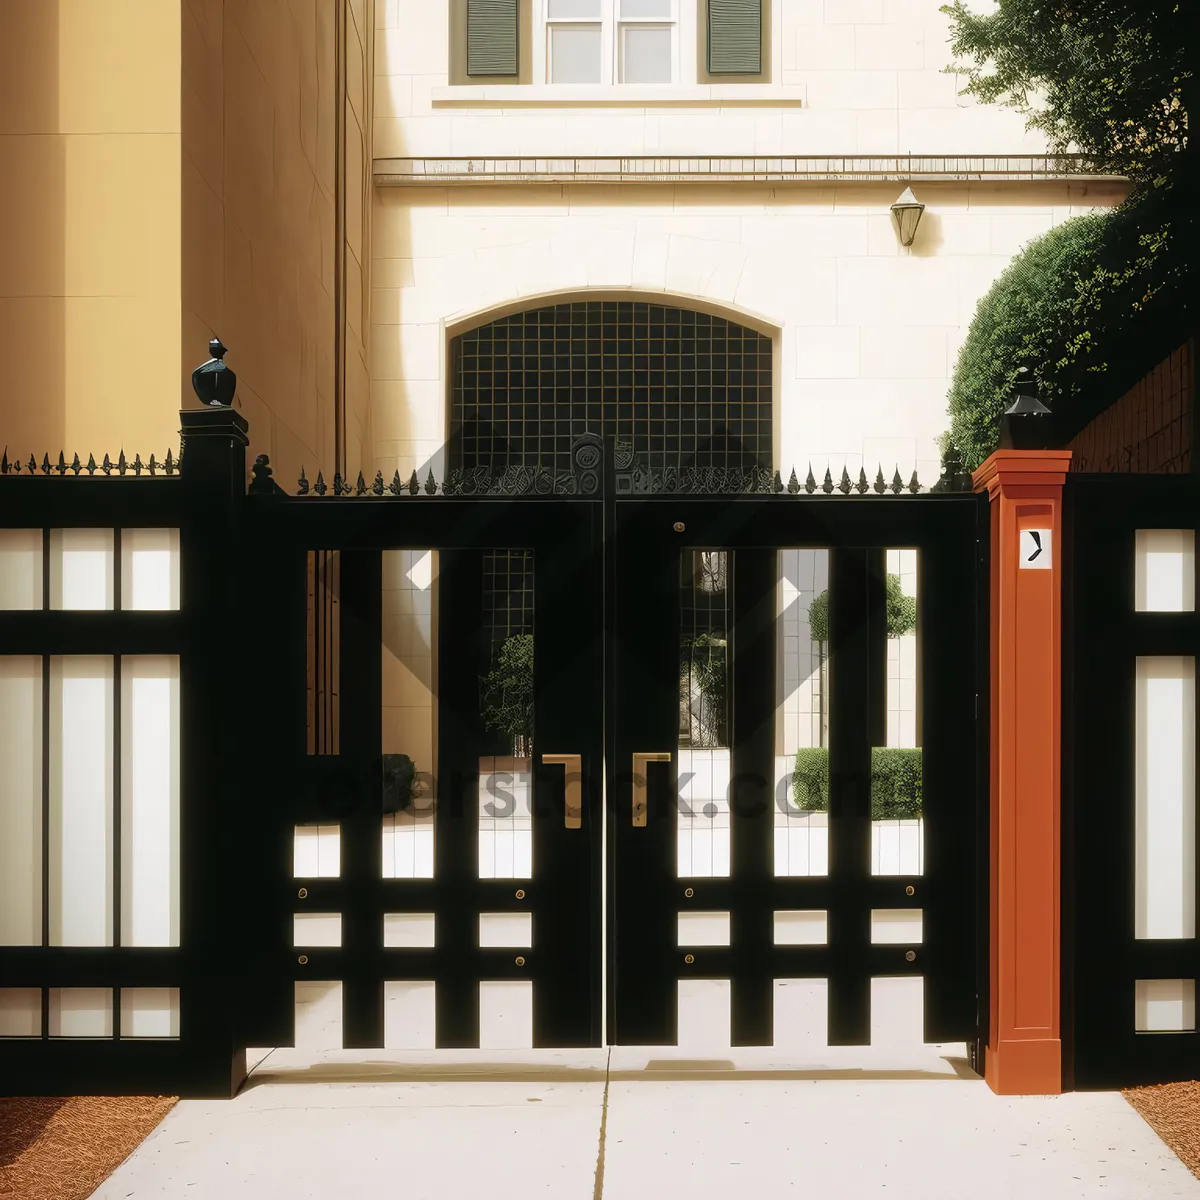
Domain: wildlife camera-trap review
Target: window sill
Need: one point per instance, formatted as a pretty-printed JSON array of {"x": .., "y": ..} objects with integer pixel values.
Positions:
[{"x": 704, "y": 95}]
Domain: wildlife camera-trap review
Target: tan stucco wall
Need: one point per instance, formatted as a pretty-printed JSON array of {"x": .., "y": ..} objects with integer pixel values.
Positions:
[
  {"x": 360, "y": 29},
  {"x": 259, "y": 211},
  {"x": 89, "y": 278}
]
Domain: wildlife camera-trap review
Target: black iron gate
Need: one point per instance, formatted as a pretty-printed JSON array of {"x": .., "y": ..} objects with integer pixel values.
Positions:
[
  {"x": 712, "y": 886},
  {"x": 430, "y": 923},
  {"x": 653, "y": 598}
]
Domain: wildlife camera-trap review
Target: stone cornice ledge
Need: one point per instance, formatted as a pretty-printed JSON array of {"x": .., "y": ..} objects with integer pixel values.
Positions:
[
  {"x": 440, "y": 172},
  {"x": 1021, "y": 468},
  {"x": 521, "y": 95}
]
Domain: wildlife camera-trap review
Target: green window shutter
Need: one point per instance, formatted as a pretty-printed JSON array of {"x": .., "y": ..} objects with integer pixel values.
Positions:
[
  {"x": 492, "y": 37},
  {"x": 734, "y": 37}
]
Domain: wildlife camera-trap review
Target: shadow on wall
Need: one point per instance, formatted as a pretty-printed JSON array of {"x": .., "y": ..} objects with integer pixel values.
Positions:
[
  {"x": 406, "y": 419},
  {"x": 258, "y": 201},
  {"x": 33, "y": 210}
]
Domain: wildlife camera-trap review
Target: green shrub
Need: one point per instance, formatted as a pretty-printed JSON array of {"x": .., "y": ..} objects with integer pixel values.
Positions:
[
  {"x": 896, "y": 782},
  {"x": 1017, "y": 323},
  {"x": 810, "y": 779},
  {"x": 1088, "y": 308}
]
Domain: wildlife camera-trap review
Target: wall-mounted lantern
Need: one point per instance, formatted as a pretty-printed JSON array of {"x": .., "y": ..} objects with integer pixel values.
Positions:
[{"x": 907, "y": 212}]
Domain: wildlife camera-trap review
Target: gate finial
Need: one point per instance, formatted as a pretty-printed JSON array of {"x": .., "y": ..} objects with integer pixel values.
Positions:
[{"x": 214, "y": 381}]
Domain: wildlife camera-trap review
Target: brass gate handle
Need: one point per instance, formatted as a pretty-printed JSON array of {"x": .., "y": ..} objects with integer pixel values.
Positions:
[
  {"x": 573, "y": 764},
  {"x": 639, "y": 785}
]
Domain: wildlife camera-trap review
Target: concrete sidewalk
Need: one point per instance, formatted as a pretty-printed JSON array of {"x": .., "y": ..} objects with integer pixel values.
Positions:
[{"x": 636, "y": 1124}]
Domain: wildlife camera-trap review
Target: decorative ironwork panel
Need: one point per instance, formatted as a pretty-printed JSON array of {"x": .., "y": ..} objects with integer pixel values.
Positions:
[{"x": 681, "y": 387}]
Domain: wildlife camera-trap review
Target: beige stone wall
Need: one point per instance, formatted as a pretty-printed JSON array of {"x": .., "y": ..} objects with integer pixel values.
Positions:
[
  {"x": 842, "y": 77},
  {"x": 866, "y": 331},
  {"x": 259, "y": 212},
  {"x": 90, "y": 207}
]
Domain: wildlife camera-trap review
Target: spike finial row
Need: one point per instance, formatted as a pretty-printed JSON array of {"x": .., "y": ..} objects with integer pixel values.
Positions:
[
  {"x": 168, "y": 466},
  {"x": 771, "y": 481}
]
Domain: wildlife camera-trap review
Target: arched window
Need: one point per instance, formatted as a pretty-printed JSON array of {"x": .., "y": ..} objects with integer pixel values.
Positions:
[{"x": 684, "y": 388}]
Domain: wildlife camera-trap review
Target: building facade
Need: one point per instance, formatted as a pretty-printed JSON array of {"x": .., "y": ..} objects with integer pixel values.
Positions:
[
  {"x": 458, "y": 236},
  {"x": 761, "y": 196},
  {"x": 246, "y": 174}
]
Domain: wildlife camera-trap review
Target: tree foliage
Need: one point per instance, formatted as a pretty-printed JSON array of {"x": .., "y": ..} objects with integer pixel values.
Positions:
[
  {"x": 1112, "y": 79},
  {"x": 703, "y": 672},
  {"x": 1092, "y": 305},
  {"x": 901, "y": 612},
  {"x": 506, "y": 691}
]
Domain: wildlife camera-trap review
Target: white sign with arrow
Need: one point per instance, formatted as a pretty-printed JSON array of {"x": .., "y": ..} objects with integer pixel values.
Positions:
[{"x": 1035, "y": 550}]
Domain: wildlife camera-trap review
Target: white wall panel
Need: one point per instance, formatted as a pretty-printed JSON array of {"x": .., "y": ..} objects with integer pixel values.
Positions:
[
  {"x": 409, "y": 930},
  {"x": 704, "y": 1015},
  {"x": 150, "y": 800},
  {"x": 149, "y": 1012},
  {"x": 20, "y": 568},
  {"x": 1165, "y": 790},
  {"x": 20, "y": 1012},
  {"x": 506, "y": 929},
  {"x": 81, "y": 568},
  {"x": 318, "y": 1015},
  {"x": 149, "y": 568},
  {"x": 505, "y": 1014},
  {"x": 1165, "y": 1005},
  {"x": 1165, "y": 570},
  {"x": 81, "y": 1012},
  {"x": 21, "y": 801},
  {"x": 81, "y": 800},
  {"x": 409, "y": 1014},
  {"x": 317, "y": 851},
  {"x": 702, "y": 929}
]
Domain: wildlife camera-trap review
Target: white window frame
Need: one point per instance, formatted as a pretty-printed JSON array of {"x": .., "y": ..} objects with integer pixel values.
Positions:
[{"x": 612, "y": 26}]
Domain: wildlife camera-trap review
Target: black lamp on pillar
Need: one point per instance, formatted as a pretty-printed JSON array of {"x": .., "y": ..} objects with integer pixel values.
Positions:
[{"x": 1027, "y": 424}]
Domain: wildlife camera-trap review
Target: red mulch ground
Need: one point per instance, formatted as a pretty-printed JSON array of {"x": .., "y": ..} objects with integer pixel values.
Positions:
[
  {"x": 1172, "y": 1110},
  {"x": 53, "y": 1148}
]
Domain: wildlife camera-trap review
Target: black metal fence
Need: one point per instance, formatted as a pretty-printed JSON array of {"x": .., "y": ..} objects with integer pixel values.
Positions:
[
  {"x": 1118, "y": 982},
  {"x": 131, "y": 1010},
  {"x": 1131, "y": 638}
]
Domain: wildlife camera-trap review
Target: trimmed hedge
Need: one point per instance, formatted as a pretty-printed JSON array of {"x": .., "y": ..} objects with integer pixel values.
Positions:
[
  {"x": 1088, "y": 307},
  {"x": 896, "y": 782}
]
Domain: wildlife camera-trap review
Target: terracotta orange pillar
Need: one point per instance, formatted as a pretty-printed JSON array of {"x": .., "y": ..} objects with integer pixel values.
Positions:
[{"x": 1024, "y": 1046}]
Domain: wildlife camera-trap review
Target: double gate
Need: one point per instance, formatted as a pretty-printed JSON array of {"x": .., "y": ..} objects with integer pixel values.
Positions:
[
  {"x": 692, "y": 730},
  {"x": 693, "y": 794},
  {"x": 670, "y": 731}
]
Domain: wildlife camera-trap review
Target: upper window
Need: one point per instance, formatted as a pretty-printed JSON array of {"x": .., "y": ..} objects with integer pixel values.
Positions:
[
  {"x": 611, "y": 41},
  {"x": 604, "y": 42}
]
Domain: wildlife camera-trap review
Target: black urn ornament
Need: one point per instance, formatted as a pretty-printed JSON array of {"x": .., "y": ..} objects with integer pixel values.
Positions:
[
  {"x": 1027, "y": 424},
  {"x": 214, "y": 382}
]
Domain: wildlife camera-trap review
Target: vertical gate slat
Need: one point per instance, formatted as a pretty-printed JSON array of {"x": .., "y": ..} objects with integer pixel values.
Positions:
[
  {"x": 849, "y": 797},
  {"x": 753, "y": 696},
  {"x": 359, "y": 712},
  {"x": 461, "y": 660}
]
